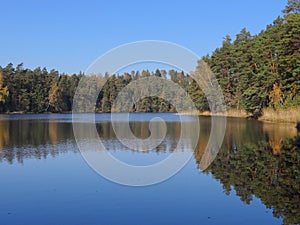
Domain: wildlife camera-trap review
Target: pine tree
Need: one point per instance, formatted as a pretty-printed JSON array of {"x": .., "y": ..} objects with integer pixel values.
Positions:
[{"x": 293, "y": 6}]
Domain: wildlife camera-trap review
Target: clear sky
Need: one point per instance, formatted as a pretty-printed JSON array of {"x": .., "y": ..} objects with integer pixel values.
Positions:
[{"x": 69, "y": 35}]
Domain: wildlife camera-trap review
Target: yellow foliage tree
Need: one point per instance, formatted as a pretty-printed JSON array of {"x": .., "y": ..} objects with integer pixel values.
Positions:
[
  {"x": 3, "y": 90},
  {"x": 53, "y": 95},
  {"x": 276, "y": 95}
]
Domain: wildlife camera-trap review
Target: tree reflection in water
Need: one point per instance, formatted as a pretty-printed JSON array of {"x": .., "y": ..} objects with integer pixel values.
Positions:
[
  {"x": 263, "y": 161},
  {"x": 256, "y": 159}
]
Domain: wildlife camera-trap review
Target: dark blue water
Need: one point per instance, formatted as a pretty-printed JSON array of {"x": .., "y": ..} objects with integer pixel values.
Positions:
[{"x": 45, "y": 180}]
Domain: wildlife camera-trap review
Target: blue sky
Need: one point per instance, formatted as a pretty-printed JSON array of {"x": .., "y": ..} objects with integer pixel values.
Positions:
[{"x": 70, "y": 35}]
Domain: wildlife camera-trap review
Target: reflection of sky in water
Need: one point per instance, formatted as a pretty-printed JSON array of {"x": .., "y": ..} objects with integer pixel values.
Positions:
[
  {"x": 43, "y": 176},
  {"x": 64, "y": 190}
]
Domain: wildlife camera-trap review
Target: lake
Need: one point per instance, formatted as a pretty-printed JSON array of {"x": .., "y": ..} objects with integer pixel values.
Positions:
[{"x": 254, "y": 179}]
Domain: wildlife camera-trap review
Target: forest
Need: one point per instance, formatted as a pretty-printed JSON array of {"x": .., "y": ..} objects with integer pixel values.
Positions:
[{"x": 255, "y": 72}]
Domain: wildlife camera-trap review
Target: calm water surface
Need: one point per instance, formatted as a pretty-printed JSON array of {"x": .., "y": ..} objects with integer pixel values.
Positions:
[{"x": 255, "y": 178}]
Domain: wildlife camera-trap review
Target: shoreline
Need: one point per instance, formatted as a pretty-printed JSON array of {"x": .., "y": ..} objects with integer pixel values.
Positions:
[
  {"x": 291, "y": 115},
  {"x": 288, "y": 116}
]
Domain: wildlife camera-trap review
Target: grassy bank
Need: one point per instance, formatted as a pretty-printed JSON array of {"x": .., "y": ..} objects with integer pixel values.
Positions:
[
  {"x": 290, "y": 115},
  {"x": 229, "y": 113}
]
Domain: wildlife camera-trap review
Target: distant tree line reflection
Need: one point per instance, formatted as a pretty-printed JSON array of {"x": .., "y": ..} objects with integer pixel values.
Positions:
[{"x": 256, "y": 159}]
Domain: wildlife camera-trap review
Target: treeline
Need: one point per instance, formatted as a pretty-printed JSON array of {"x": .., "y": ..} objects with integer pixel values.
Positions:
[
  {"x": 254, "y": 72},
  {"x": 259, "y": 71},
  {"x": 38, "y": 91}
]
